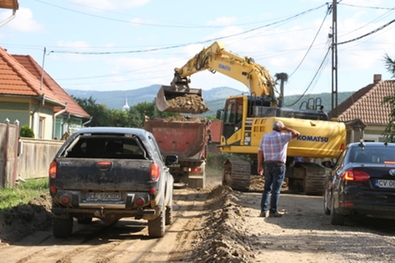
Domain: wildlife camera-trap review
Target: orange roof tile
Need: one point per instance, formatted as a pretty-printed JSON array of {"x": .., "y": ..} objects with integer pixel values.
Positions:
[
  {"x": 366, "y": 104},
  {"x": 17, "y": 80},
  {"x": 72, "y": 106}
]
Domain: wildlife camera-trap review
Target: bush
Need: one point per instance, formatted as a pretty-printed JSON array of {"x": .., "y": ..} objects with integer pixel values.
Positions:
[{"x": 26, "y": 132}]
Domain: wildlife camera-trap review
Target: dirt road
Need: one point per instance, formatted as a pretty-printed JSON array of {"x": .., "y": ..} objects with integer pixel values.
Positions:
[{"x": 216, "y": 224}]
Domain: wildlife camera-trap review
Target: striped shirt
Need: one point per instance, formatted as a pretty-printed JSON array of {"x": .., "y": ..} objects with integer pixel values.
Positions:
[{"x": 274, "y": 146}]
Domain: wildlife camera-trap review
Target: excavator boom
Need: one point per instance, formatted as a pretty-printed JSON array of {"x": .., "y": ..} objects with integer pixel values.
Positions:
[{"x": 179, "y": 97}]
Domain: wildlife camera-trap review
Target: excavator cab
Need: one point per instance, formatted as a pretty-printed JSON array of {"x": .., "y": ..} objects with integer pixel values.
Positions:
[{"x": 179, "y": 97}]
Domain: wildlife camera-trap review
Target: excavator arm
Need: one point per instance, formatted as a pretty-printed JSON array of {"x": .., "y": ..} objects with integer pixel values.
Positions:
[{"x": 215, "y": 59}]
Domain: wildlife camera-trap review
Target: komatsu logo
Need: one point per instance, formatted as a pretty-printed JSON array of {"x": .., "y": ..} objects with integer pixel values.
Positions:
[
  {"x": 312, "y": 138},
  {"x": 224, "y": 67}
]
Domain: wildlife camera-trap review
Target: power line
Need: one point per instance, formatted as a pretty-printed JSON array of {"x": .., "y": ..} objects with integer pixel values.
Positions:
[
  {"x": 191, "y": 43},
  {"x": 312, "y": 43},
  {"x": 311, "y": 82},
  {"x": 369, "y": 7},
  {"x": 367, "y": 34}
]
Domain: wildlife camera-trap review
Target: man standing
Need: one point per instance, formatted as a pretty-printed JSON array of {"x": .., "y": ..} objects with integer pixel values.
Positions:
[{"x": 273, "y": 150}]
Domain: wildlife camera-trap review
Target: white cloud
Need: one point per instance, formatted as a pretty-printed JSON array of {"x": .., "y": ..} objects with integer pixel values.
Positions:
[
  {"x": 111, "y": 4},
  {"x": 73, "y": 44},
  {"x": 222, "y": 21},
  {"x": 23, "y": 20}
]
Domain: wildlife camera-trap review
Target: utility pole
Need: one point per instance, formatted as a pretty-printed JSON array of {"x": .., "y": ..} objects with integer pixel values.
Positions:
[
  {"x": 283, "y": 77},
  {"x": 334, "y": 59}
]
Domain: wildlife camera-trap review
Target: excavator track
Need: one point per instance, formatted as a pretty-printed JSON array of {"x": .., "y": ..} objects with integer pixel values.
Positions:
[
  {"x": 237, "y": 174},
  {"x": 307, "y": 178}
]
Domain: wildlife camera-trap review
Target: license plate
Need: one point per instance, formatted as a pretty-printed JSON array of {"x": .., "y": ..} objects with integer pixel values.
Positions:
[
  {"x": 103, "y": 196},
  {"x": 385, "y": 183}
]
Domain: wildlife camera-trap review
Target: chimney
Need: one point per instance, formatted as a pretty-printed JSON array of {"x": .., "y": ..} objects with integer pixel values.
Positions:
[{"x": 376, "y": 78}]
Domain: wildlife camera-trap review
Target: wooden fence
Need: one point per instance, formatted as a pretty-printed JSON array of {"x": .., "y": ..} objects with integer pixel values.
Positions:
[{"x": 23, "y": 158}]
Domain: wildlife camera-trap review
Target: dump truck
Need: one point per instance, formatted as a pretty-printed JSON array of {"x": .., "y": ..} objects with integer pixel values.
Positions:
[
  {"x": 187, "y": 138},
  {"x": 247, "y": 117}
]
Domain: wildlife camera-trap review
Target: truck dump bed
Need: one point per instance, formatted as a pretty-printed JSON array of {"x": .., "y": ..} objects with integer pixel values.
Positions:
[{"x": 182, "y": 136}]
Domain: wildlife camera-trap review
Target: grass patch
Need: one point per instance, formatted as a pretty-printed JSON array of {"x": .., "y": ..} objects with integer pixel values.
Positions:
[{"x": 23, "y": 192}]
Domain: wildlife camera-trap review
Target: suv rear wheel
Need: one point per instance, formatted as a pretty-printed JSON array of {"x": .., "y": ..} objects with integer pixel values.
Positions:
[
  {"x": 156, "y": 227},
  {"x": 62, "y": 227}
]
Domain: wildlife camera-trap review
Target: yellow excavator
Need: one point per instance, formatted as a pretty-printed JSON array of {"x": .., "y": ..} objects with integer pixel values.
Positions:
[{"x": 246, "y": 118}]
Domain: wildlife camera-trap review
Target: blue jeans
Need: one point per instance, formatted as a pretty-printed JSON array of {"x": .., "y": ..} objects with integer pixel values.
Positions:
[{"x": 274, "y": 177}]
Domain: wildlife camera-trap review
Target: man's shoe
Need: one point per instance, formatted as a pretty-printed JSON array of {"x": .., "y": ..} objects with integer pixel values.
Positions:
[
  {"x": 263, "y": 214},
  {"x": 275, "y": 214}
]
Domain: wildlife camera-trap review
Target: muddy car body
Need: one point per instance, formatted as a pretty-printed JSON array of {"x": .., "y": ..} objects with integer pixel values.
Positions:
[{"x": 110, "y": 173}]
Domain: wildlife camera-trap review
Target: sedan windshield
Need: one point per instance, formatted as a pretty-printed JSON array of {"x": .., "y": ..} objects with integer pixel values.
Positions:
[{"x": 373, "y": 154}]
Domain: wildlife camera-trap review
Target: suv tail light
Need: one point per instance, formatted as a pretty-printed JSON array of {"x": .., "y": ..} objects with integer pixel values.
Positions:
[
  {"x": 53, "y": 167},
  {"x": 155, "y": 172},
  {"x": 355, "y": 176}
]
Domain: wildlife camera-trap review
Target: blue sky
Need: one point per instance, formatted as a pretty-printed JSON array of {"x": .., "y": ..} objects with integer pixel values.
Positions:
[{"x": 127, "y": 44}]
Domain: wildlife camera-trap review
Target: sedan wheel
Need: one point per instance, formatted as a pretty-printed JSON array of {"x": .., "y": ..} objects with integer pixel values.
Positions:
[
  {"x": 327, "y": 211},
  {"x": 336, "y": 219}
]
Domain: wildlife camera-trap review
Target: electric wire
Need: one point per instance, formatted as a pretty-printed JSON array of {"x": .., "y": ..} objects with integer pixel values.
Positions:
[
  {"x": 367, "y": 34},
  {"x": 244, "y": 32},
  {"x": 191, "y": 43},
  {"x": 369, "y": 7},
  {"x": 311, "y": 45},
  {"x": 311, "y": 82}
]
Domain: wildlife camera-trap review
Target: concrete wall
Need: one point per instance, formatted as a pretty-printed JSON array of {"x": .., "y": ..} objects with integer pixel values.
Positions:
[{"x": 36, "y": 156}]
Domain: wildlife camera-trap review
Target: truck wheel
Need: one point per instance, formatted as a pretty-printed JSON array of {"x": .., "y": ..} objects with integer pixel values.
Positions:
[
  {"x": 84, "y": 220},
  {"x": 336, "y": 219},
  {"x": 62, "y": 227},
  {"x": 156, "y": 227}
]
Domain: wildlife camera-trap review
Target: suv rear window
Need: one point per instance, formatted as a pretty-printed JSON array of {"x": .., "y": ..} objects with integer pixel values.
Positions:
[{"x": 108, "y": 147}]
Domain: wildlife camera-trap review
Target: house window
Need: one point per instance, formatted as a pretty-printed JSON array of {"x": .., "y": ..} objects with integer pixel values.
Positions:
[{"x": 41, "y": 128}]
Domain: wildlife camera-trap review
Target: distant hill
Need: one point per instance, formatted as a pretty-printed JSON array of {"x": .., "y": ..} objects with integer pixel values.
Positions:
[
  {"x": 214, "y": 98},
  {"x": 115, "y": 99}
]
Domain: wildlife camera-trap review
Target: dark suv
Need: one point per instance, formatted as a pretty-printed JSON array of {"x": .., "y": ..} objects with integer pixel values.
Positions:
[
  {"x": 110, "y": 173},
  {"x": 362, "y": 182}
]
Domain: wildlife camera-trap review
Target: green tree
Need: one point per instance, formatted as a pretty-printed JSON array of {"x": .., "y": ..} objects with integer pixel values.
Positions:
[
  {"x": 148, "y": 109},
  {"x": 390, "y": 65},
  {"x": 389, "y": 132},
  {"x": 103, "y": 116},
  {"x": 100, "y": 112}
]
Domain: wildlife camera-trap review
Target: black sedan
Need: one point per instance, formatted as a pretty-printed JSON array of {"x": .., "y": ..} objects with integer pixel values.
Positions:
[{"x": 362, "y": 183}]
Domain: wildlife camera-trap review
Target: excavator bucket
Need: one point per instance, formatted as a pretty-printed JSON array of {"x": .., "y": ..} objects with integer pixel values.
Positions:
[{"x": 180, "y": 99}]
